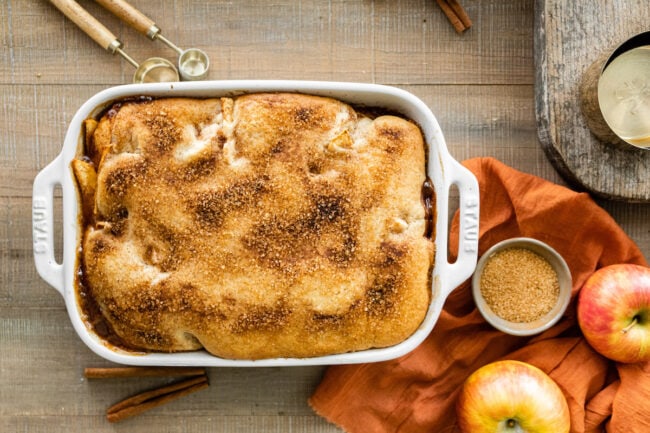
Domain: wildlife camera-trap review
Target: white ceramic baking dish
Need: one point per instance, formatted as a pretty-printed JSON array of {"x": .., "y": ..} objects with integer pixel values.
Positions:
[{"x": 443, "y": 170}]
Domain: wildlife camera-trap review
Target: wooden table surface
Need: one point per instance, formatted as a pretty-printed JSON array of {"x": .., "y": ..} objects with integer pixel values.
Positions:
[{"x": 480, "y": 85}]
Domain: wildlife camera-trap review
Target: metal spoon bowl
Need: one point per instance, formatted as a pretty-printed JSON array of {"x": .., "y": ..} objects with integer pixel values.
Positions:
[
  {"x": 193, "y": 64},
  {"x": 156, "y": 70}
]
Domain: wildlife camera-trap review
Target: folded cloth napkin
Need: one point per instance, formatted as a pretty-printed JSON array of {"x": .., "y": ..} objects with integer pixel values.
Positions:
[{"x": 417, "y": 392}]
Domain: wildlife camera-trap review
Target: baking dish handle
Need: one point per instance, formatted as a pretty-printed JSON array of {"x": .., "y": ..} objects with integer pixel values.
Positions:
[
  {"x": 43, "y": 223},
  {"x": 468, "y": 215}
]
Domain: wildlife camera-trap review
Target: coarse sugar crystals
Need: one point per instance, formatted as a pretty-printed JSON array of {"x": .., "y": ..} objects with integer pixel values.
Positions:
[{"x": 519, "y": 285}]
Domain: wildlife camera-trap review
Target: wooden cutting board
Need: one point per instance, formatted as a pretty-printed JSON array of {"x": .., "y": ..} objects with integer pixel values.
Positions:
[{"x": 570, "y": 35}]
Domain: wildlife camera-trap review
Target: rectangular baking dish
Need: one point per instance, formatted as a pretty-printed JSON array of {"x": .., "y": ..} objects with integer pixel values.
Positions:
[{"x": 443, "y": 170}]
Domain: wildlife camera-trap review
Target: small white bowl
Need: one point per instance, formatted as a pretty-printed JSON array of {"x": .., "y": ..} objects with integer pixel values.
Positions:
[{"x": 546, "y": 321}]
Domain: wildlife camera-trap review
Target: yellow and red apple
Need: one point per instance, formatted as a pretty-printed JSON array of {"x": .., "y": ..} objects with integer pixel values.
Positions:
[
  {"x": 614, "y": 312},
  {"x": 511, "y": 397}
]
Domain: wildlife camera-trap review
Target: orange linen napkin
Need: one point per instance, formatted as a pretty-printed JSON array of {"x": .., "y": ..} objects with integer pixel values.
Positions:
[{"x": 417, "y": 393}]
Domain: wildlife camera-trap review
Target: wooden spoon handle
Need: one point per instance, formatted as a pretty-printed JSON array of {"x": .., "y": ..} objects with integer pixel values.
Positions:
[
  {"x": 89, "y": 24},
  {"x": 130, "y": 15}
]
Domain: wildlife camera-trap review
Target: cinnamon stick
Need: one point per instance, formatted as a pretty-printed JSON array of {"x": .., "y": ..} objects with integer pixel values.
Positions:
[
  {"x": 460, "y": 13},
  {"x": 147, "y": 400},
  {"x": 455, "y": 14},
  {"x": 116, "y": 372}
]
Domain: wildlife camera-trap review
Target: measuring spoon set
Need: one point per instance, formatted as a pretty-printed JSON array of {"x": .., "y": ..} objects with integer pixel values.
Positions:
[{"x": 193, "y": 63}]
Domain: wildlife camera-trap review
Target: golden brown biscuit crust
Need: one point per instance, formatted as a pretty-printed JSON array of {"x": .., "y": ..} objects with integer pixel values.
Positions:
[{"x": 267, "y": 225}]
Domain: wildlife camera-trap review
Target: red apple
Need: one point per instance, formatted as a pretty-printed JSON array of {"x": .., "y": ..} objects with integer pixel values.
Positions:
[
  {"x": 511, "y": 396},
  {"x": 614, "y": 312}
]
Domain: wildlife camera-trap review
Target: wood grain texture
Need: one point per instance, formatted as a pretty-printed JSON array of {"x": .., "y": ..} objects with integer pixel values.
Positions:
[
  {"x": 569, "y": 37},
  {"x": 409, "y": 41},
  {"x": 480, "y": 85}
]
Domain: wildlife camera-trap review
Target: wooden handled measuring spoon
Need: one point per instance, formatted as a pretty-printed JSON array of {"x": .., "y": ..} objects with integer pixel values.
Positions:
[{"x": 193, "y": 63}]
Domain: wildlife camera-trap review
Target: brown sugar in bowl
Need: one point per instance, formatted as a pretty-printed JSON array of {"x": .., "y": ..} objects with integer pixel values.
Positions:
[{"x": 521, "y": 286}]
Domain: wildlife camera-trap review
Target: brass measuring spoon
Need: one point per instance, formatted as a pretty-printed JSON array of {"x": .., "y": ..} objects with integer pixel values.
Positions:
[
  {"x": 152, "y": 70},
  {"x": 193, "y": 63}
]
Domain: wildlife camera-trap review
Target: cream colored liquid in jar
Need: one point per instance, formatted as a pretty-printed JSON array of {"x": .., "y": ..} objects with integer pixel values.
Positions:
[{"x": 624, "y": 96}]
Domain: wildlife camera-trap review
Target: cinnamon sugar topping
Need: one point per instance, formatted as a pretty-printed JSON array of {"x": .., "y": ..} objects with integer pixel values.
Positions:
[{"x": 266, "y": 225}]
